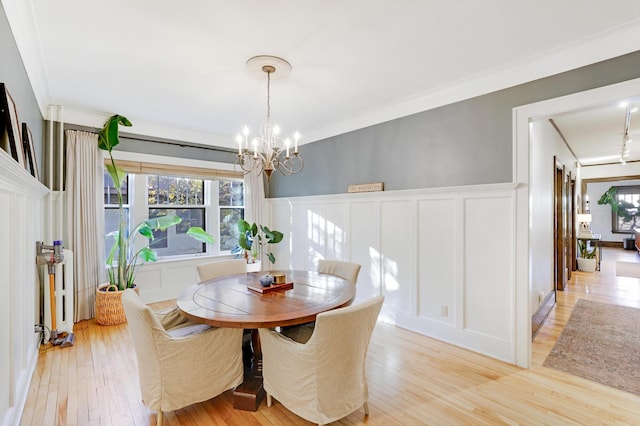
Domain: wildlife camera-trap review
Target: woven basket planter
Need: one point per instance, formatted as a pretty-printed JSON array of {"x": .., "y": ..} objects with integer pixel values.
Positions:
[
  {"x": 109, "y": 309},
  {"x": 586, "y": 265}
]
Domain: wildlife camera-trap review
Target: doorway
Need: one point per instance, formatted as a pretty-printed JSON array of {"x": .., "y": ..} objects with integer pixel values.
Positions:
[{"x": 525, "y": 256}]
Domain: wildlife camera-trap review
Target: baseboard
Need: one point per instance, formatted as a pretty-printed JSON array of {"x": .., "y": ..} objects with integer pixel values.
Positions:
[
  {"x": 22, "y": 388},
  {"x": 541, "y": 314}
]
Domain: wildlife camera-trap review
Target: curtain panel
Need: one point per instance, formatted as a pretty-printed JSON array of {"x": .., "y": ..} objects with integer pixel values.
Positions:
[{"x": 85, "y": 218}]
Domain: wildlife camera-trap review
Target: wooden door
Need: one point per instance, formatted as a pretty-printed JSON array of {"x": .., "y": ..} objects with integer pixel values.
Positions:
[{"x": 563, "y": 224}]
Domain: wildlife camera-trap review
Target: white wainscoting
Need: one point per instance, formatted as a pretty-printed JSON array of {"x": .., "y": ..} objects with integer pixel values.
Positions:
[
  {"x": 443, "y": 258},
  {"x": 165, "y": 279},
  {"x": 20, "y": 227}
]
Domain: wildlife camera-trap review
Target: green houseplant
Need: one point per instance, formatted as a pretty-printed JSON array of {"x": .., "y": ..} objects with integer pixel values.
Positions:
[
  {"x": 124, "y": 253},
  {"x": 253, "y": 238},
  {"x": 629, "y": 213},
  {"x": 587, "y": 259}
]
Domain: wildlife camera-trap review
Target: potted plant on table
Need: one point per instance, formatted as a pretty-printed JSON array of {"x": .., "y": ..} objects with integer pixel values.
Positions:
[
  {"x": 587, "y": 259},
  {"x": 124, "y": 253},
  {"x": 253, "y": 238}
]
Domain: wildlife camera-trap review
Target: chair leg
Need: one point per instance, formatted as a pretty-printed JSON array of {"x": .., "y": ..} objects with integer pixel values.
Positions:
[
  {"x": 159, "y": 422},
  {"x": 269, "y": 400},
  {"x": 366, "y": 408}
]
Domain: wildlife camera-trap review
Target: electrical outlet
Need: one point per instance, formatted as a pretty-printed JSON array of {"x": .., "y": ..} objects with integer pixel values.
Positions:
[{"x": 444, "y": 311}]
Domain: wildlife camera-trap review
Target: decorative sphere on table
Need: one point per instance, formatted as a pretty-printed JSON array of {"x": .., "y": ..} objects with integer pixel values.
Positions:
[{"x": 266, "y": 280}]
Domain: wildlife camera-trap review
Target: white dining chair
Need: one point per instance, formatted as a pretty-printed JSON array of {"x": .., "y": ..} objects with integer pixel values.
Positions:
[
  {"x": 179, "y": 362},
  {"x": 345, "y": 270},
  {"x": 219, "y": 268},
  {"x": 324, "y": 379}
]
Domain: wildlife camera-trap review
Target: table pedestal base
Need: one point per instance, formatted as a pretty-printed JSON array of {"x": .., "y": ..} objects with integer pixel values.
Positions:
[{"x": 249, "y": 394}]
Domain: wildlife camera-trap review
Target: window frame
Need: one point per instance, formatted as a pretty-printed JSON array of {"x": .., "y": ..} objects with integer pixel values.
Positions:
[
  {"x": 138, "y": 198},
  {"x": 615, "y": 219}
]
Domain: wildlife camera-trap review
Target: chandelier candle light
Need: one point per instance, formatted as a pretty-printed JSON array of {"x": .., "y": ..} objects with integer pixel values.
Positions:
[{"x": 268, "y": 151}]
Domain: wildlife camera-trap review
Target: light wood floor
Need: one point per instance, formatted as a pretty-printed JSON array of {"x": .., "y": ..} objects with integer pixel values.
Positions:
[{"x": 413, "y": 380}]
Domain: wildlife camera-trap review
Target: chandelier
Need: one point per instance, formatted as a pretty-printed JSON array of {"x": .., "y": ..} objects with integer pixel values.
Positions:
[{"x": 268, "y": 151}]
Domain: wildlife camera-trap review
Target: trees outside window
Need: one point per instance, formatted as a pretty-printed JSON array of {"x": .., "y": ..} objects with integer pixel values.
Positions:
[{"x": 214, "y": 205}]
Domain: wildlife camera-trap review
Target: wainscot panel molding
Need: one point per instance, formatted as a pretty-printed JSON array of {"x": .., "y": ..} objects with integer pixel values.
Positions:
[
  {"x": 21, "y": 198},
  {"x": 444, "y": 258},
  {"x": 165, "y": 279}
]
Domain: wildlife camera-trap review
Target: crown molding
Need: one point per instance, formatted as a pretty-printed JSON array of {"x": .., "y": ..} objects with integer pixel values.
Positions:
[
  {"x": 606, "y": 45},
  {"x": 600, "y": 47}
]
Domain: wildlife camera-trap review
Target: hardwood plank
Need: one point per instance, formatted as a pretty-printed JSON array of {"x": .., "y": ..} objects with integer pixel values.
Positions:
[{"x": 413, "y": 379}]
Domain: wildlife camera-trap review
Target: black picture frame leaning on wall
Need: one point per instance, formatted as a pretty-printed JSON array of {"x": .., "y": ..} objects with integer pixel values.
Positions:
[
  {"x": 11, "y": 139},
  {"x": 29, "y": 151}
]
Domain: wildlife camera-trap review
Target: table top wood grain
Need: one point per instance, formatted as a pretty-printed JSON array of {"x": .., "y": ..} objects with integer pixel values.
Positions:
[{"x": 227, "y": 302}]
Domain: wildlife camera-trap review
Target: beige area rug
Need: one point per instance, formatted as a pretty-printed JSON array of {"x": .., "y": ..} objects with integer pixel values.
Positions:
[
  {"x": 628, "y": 269},
  {"x": 601, "y": 342}
]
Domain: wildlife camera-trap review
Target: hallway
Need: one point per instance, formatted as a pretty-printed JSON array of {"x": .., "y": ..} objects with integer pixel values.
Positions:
[{"x": 600, "y": 286}]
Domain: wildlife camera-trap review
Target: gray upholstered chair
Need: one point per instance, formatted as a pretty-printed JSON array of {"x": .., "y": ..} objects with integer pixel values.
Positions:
[
  {"x": 346, "y": 270},
  {"x": 323, "y": 379},
  {"x": 219, "y": 268},
  {"x": 179, "y": 362}
]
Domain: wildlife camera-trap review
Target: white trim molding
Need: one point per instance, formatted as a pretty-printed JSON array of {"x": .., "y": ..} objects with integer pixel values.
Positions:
[{"x": 443, "y": 257}]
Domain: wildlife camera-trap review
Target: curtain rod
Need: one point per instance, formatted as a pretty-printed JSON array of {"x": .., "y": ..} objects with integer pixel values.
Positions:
[
  {"x": 180, "y": 144},
  {"x": 130, "y": 136}
]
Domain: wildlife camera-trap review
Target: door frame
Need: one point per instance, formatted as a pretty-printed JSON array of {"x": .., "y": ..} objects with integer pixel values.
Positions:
[{"x": 521, "y": 117}]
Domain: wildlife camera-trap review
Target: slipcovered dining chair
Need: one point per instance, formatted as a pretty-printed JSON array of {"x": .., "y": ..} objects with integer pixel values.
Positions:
[
  {"x": 180, "y": 362},
  {"x": 346, "y": 270},
  {"x": 211, "y": 270},
  {"x": 323, "y": 379}
]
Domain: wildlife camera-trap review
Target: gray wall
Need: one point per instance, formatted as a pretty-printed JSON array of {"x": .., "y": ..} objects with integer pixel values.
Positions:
[
  {"x": 14, "y": 75},
  {"x": 165, "y": 147},
  {"x": 468, "y": 142}
]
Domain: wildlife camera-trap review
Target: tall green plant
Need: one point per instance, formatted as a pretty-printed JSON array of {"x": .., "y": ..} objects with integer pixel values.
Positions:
[
  {"x": 123, "y": 274},
  {"x": 623, "y": 209}
]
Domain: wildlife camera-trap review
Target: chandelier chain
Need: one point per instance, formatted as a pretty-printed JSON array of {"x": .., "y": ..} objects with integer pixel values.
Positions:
[{"x": 268, "y": 96}]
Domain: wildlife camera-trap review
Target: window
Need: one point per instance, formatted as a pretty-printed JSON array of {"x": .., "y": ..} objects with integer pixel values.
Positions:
[
  {"x": 216, "y": 205},
  {"x": 183, "y": 197},
  {"x": 111, "y": 215},
  {"x": 231, "y": 206},
  {"x": 629, "y": 196}
]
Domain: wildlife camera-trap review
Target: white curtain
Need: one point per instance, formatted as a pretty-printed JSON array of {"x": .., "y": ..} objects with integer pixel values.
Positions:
[
  {"x": 85, "y": 218},
  {"x": 254, "y": 210}
]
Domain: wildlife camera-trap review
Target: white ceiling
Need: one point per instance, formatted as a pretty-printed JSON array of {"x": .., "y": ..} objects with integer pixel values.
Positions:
[
  {"x": 595, "y": 135},
  {"x": 177, "y": 69}
]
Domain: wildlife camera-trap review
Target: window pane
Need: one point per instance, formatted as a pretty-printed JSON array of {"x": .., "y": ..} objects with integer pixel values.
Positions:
[
  {"x": 629, "y": 196},
  {"x": 110, "y": 195},
  {"x": 111, "y": 222},
  {"x": 163, "y": 190},
  {"x": 174, "y": 240},
  {"x": 231, "y": 193},
  {"x": 229, "y": 218}
]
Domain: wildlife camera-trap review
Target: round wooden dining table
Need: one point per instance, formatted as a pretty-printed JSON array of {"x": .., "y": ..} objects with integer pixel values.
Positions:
[
  {"x": 239, "y": 301},
  {"x": 235, "y": 301}
]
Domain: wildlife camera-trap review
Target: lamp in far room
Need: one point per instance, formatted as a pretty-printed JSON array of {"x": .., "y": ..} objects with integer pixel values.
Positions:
[{"x": 585, "y": 224}]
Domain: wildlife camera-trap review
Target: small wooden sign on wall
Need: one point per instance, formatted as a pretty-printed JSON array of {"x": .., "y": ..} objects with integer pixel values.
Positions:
[{"x": 366, "y": 187}]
